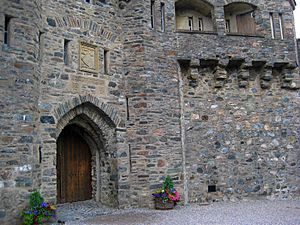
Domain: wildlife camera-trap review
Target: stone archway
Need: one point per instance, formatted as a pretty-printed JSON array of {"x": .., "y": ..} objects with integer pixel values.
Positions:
[{"x": 98, "y": 130}]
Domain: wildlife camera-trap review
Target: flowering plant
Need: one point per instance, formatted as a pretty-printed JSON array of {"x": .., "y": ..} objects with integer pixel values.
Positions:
[
  {"x": 167, "y": 192},
  {"x": 38, "y": 210}
]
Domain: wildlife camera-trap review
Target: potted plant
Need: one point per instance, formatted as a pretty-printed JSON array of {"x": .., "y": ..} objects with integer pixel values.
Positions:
[
  {"x": 166, "y": 197},
  {"x": 39, "y": 211}
]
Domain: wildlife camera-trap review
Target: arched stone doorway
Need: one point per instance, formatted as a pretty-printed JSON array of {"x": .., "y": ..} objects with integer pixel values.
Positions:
[
  {"x": 87, "y": 138},
  {"x": 74, "y": 172}
]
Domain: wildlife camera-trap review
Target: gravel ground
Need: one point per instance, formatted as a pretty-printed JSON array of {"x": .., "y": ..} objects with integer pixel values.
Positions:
[{"x": 226, "y": 213}]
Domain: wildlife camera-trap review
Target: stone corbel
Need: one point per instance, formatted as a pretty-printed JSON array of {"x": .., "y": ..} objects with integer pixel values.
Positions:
[
  {"x": 289, "y": 80},
  {"x": 266, "y": 78},
  {"x": 220, "y": 76},
  {"x": 243, "y": 77},
  {"x": 193, "y": 77}
]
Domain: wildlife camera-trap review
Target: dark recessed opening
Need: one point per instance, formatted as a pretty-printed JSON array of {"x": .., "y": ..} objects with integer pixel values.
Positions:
[
  {"x": 40, "y": 154},
  {"x": 212, "y": 188},
  {"x": 7, "y": 20},
  {"x": 105, "y": 61},
  {"x": 127, "y": 108}
]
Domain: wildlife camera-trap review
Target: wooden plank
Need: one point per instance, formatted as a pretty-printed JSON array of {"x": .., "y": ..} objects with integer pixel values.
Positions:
[
  {"x": 74, "y": 167},
  {"x": 246, "y": 24}
]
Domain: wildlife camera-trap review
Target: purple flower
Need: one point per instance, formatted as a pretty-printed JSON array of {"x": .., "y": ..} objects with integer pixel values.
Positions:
[
  {"x": 157, "y": 195},
  {"x": 35, "y": 212},
  {"x": 27, "y": 212},
  {"x": 44, "y": 204}
]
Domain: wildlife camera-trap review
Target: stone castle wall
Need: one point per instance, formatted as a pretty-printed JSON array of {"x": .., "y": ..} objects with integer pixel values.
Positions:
[
  {"x": 298, "y": 48},
  {"x": 213, "y": 110},
  {"x": 19, "y": 90},
  {"x": 97, "y": 25}
]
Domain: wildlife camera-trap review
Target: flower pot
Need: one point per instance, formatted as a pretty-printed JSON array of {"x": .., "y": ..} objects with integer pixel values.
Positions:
[{"x": 163, "y": 205}]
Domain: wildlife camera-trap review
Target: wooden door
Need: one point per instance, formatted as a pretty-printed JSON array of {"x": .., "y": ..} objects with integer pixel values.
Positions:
[
  {"x": 73, "y": 167},
  {"x": 245, "y": 24}
]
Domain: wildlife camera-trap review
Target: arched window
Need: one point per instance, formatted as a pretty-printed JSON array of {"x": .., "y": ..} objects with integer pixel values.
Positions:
[
  {"x": 240, "y": 18},
  {"x": 194, "y": 15}
]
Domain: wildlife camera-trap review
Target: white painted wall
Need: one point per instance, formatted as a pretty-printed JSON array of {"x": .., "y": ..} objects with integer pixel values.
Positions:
[
  {"x": 232, "y": 19},
  {"x": 182, "y": 20}
]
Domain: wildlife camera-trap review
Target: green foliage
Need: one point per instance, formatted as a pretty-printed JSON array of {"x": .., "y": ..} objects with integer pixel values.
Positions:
[
  {"x": 38, "y": 211},
  {"x": 35, "y": 200},
  {"x": 168, "y": 183},
  {"x": 167, "y": 192},
  {"x": 28, "y": 219}
]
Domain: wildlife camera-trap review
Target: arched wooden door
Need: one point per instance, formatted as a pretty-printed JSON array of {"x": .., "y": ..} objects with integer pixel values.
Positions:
[{"x": 74, "y": 181}]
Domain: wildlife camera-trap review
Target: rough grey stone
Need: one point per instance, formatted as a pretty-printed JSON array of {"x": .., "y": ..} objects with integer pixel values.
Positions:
[{"x": 47, "y": 119}]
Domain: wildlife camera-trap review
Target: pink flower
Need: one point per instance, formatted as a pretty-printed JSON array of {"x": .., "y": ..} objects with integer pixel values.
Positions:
[{"x": 174, "y": 196}]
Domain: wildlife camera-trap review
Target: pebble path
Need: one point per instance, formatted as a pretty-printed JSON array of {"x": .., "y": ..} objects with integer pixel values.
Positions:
[{"x": 263, "y": 212}]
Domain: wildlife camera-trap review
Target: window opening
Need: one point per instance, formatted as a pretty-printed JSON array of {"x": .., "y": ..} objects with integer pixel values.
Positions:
[
  {"x": 66, "y": 51},
  {"x": 105, "y": 61},
  {"x": 7, "y": 20},
  {"x": 272, "y": 25},
  {"x": 227, "y": 26},
  {"x": 88, "y": 1},
  {"x": 200, "y": 24},
  {"x": 190, "y": 23},
  {"x": 40, "y": 155},
  {"x": 127, "y": 108},
  {"x": 212, "y": 188},
  {"x": 130, "y": 162},
  {"x": 281, "y": 25},
  {"x": 41, "y": 44},
  {"x": 152, "y": 13},
  {"x": 162, "y": 11}
]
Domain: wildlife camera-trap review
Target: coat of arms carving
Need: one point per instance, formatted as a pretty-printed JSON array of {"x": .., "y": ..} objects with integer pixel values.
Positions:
[{"x": 88, "y": 58}]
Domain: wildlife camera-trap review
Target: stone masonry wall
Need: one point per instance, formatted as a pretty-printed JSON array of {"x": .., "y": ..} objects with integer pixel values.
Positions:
[
  {"x": 242, "y": 140},
  {"x": 95, "y": 24},
  {"x": 240, "y": 127},
  {"x": 37, "y": 87},
  {"x": 298, "y": 50},
  {"x": 19, "y": 91},
  {"x": 153, "y": 123}
]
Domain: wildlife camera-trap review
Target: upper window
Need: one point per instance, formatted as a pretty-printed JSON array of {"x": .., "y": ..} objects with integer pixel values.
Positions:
[
  {"x": 152, "y": 8},
  {"x": 194, "y": 15},
  {"x": 281, "y": 25},
  {"x": 240, "y": 18},
  {"x": 7, "y": 21}
]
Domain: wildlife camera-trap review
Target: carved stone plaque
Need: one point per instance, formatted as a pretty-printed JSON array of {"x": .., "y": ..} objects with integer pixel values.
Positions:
[
  {"x": 88, "y": 85},
  {"x": 88, "y": 58}
]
